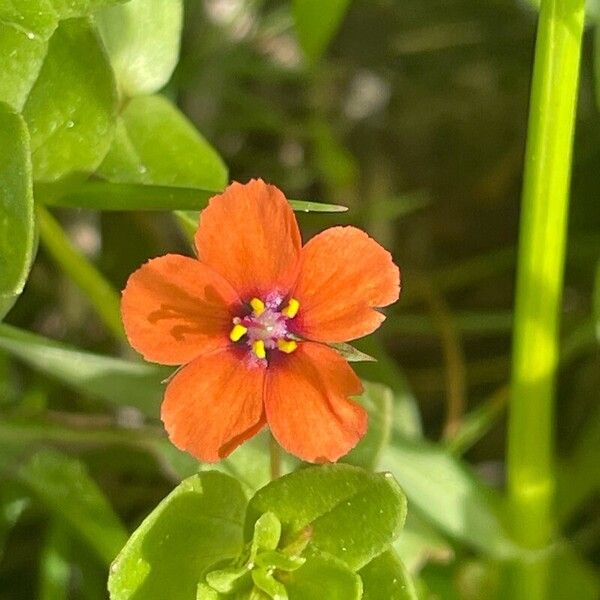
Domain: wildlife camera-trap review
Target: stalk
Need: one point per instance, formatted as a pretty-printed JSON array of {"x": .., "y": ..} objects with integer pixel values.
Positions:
[{"x": 541, "y": 258}]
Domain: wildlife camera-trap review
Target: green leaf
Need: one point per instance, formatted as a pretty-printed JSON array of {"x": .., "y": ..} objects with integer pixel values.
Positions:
[
  {"x": 71, "y": 109},
  {"x": 142, "y": 40},
  {"x": 273, "y": 559},
  {"x": 378, "y": 400},
  {"x": 478, "y": 422},
  {"x": 447, "y": 494},
  {"x": 119, "y": 382},
  {"x": 16, "y": 207},
  {"x": 571, "y": 576},
  {"x": 227, "y": 581},
  {"x": 156, "y": 144},
  {"x": 420, "y": 543},
  {"x": 316, "y": 24},
  {"x": 304, "y": 206},
  {"x": 55, "y": 568},
  {"x": 265, "y": 581},
  {"x": 103, "y": 195},
  {"x": 578, "y": 476},
  {"x": 24, "y": 35},
  {"x": 63, "y": 485},
  {"x": 13, "y": 501},
  {"x": 25, "y": 28},
  {"x": 6, "y": 303},
  {"x": 267, "y": 532},
  {"x": 323, "y": 576},
  {"x": 205, "y": 592},
  {"x": 351, "y": 514},
  {"x": 67, "y": 9},
  {"x": 198, "y": 524},
  {"x": 386, "y": 578},
  {"x": 350, "y": 353}
]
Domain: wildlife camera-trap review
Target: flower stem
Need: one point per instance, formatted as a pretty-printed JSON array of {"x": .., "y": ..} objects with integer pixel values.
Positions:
[
  {"x": 539, "y": 280},
  {"x": 275, "y": 455}
]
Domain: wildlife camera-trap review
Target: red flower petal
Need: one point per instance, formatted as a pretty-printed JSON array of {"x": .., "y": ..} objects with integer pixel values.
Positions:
[
  {"x": 344, "y": 274},
  {"x": 214, "y": 404},
  {"x": 307, "y": 405},
  {"x": 175, "y": 308},
  {"x": 249, "y": 235}
]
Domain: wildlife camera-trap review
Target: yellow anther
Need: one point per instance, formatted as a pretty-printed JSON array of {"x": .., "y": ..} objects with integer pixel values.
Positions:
[
  {"x": 258, "y": 306},
  {"x": 287, "y": 346},
  {"x": 291, "y": 310},
  {"x": 238, "y": 332},
  {"x": 258, "y": 347}
]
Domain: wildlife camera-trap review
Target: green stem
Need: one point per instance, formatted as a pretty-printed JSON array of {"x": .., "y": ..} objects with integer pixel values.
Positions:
[
  {"x": 99, "y": 291},
  {"x": 540, "y": 279},
  {"x": 275, "y": 456}
]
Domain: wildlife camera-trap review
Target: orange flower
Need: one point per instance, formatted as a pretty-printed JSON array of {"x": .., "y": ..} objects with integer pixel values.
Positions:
[{"x": 251, "y": 320}]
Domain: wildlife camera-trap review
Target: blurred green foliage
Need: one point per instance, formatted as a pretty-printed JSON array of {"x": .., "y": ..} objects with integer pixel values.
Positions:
[{"x": 413, "y": 115}]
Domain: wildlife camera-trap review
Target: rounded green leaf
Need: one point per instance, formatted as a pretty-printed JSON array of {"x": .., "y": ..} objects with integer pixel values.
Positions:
[
  {"x": 323, "y": 576},
  {"x": 24, "y": 35},
  {"x": 67, "y": 9},
  {"x": 71, "y": 109},
  {"x": 142, "y": 39},
  {"x": 156, "y": 144},
  {"x": 198, "y": 524},
  {"x": 386, "y": 578},
  {"x": 16, "y": 206},
  {"x": 25, "y": 28},
  {"x": 348, "y": 512}
]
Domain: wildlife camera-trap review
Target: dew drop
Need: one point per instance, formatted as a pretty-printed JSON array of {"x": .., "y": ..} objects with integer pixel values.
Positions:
[
  {"x": 69, "y": 124},
  {"x": 30, "y": 35},
  {"x": 142, "y": 169}
]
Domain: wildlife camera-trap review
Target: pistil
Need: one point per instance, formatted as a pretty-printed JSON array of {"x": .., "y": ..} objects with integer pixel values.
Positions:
[{"x": 266, "y": 327}]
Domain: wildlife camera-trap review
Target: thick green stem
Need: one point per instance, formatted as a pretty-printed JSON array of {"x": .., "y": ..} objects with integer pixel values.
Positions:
[{"x": 540, "y": 278}]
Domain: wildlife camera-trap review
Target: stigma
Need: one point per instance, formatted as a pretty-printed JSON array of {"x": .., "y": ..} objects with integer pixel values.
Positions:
[{"x": 265, "y": 328}]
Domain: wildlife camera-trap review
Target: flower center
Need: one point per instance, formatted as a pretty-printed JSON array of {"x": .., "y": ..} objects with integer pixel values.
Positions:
[{"x": 266, "y": 327}]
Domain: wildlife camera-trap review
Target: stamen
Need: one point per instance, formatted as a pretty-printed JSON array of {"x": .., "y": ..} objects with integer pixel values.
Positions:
[
  {"x": 258, "y": 347},
  {"x": 238, "y": 332},
  {"x": 258, "y": 306},
  {"x": 287, "y": 346},
  {"x": 291, "y": 310}
]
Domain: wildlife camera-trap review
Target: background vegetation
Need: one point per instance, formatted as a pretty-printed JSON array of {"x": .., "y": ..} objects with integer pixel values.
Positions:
[{"x": 414, "y": 116}]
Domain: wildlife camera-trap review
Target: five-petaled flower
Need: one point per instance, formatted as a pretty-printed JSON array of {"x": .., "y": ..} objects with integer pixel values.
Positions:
[{"x": 251, "y": 320}]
